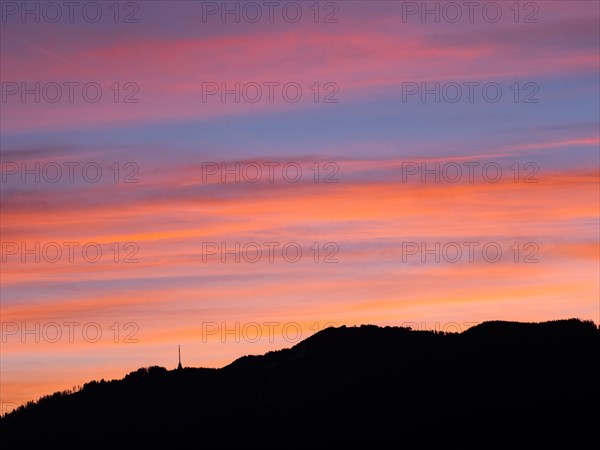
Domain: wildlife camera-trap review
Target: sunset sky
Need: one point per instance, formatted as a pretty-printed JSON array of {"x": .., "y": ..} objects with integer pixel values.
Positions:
[{"x": 370, "y": 181}]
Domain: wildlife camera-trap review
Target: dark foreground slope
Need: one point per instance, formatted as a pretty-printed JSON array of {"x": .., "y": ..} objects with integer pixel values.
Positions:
[{"x": 366, "y": 386}]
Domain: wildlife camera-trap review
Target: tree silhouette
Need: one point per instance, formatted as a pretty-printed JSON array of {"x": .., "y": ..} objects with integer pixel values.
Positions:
[{"x": 364, "y": 386}]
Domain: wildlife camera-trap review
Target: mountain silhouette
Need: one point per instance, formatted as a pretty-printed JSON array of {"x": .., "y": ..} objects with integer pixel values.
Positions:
[{"x": 366, "y": 387}]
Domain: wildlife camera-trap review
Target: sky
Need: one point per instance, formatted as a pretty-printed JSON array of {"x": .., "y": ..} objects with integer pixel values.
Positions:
[{"x": 232, "y": 177}]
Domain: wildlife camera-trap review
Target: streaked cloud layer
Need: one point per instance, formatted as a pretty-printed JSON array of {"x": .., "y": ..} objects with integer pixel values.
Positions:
[{"x": 382, "y": 176}]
